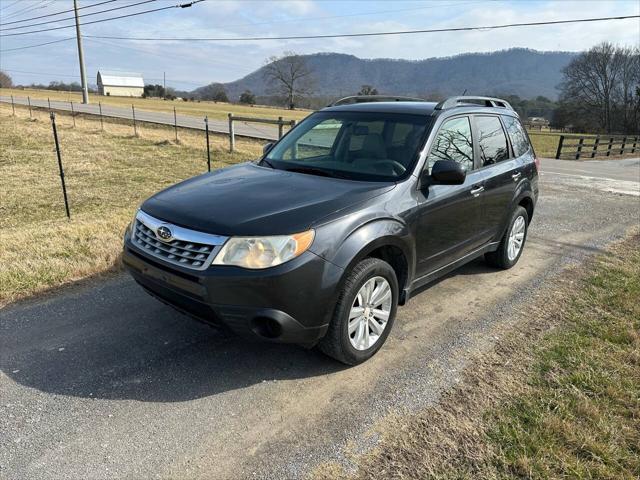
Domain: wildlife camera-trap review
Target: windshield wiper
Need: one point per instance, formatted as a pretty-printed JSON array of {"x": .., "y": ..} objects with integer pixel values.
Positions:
[{"x": 315, "y": 171}]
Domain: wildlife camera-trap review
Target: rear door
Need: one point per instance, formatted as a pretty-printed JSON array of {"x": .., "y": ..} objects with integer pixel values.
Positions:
[
  {"x": 500, "y": 172},
  {"x": 449, "y": 216}
]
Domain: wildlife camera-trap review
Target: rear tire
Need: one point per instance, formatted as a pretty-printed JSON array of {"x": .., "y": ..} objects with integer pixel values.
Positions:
[
  {"x": 358, "y": 328},
  {"x": 512, "y": 243}
]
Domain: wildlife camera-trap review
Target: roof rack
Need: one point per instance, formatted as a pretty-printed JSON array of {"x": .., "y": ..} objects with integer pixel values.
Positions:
[
  {"x": 452, "y": 102},
  {"x": 373, "y": 98}
]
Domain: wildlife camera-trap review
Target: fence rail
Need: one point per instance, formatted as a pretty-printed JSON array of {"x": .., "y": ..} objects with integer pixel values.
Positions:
[
  {"x": 575, "y": 147},
  {"x": 280, "y": 122}
]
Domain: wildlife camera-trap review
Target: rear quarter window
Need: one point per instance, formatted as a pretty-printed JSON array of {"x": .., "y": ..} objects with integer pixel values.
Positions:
[
  {"x": 492, "y": 141},
  {"x": 517, "y": 135}
]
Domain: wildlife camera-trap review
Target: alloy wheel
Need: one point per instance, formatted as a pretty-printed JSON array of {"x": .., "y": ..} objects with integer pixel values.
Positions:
[
  {"x": 369, "y": 313},
  {"x": 516, "y": 238}
]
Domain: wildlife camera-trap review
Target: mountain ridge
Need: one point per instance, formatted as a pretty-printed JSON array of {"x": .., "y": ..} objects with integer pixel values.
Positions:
[{"x": 517, "y": 71}]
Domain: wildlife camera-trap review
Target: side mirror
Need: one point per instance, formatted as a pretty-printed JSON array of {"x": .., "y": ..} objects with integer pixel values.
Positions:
[
  {"x": 267, "y": 147},
  {"x": 447, "y": 172}
]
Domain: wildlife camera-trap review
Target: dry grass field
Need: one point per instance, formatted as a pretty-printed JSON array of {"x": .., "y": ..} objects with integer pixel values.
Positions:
[
  {"x": 218, "y": 110},
  {"x": 545, "y": 143},
  {"x": 107, "y": 173}
]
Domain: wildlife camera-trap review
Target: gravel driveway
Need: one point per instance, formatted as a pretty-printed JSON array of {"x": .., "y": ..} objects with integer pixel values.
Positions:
[{"x": 102, "y": 381}]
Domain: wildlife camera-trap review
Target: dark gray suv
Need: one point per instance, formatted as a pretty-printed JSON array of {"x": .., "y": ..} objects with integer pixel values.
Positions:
[{"x": 341, "y": 220}]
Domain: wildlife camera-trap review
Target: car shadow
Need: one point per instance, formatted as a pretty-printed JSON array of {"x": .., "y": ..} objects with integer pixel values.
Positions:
[{"x": 113, "y": 341}]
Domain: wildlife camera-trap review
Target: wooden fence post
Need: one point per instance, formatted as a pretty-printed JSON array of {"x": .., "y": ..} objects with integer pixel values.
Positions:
[
  {"x": 52, "y": 115},
  {"x": 280, "y": 127},
  {"x": 635, "y": 143},
  {"x": 49, "y": 102},
  {"x": 73, "y": 115},
  {"x": 30, "y": 112},
  {"x": 135, "y": 127},
  {"x": 595, "y": 147},
  {"x": 579, "y": 151},
  {"x": 624, "y": 143},
  {"x": 101, "y": 119},
  {"x": 560, "y": 143},
  {"x": 13, "y": 107},
  {"x": 232, "y": 140},
  {"x": 175, "y": 123},
  {"x": 609, "y": 147}
]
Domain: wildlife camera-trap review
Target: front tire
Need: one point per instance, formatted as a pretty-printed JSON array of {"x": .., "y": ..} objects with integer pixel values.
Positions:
[
  {"x": 512, "y": 243},
  {"x": 364, "y": 314}
]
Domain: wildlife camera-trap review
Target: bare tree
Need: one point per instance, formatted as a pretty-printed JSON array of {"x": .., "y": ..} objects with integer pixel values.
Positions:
[
  {"x": 5, "y": 80},
  {"x": 290, "y": 76},
  {"x": 591, "y": 79},
  {"x": 625, "y": 92}
]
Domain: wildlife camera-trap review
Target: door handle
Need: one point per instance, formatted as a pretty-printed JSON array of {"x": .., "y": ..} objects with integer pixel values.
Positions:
[
  {"x": 516, "y": 176},
  {"x": 475, "y": 191}
]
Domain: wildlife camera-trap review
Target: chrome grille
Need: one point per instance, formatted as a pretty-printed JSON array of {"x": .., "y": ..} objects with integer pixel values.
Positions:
[{"x": 187, "y": 248}]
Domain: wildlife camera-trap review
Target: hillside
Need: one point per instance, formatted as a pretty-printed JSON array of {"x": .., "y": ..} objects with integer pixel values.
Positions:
[{"x": 522, "y": 72}]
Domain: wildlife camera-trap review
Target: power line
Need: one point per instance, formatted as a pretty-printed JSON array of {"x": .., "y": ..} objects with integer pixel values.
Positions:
[
  {"x": 56, "y": 13},
  {"x": 363, "y": 34},
  {"x": 29, "y": 8},
  {"x": 184, "y": 5},
  {"x": 10, "y": 5},
  {"x": 36, "y": 45},
  {"x": 81, "y": 16}
]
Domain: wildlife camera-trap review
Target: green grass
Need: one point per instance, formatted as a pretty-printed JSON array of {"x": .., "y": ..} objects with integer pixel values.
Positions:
[
  {"x": 558, "y": 405},
  {"x": 581, "y": 415},
  {"x": 545, "y": 144},
  {"x": 107, "y": 174}
]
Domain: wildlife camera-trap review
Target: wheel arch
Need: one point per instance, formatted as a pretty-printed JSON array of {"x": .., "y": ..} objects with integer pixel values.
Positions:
[{"x": 386, "y": 239}]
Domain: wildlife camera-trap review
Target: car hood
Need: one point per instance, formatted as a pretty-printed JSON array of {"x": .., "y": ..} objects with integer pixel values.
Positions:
[{"x": 248, "y": 199}]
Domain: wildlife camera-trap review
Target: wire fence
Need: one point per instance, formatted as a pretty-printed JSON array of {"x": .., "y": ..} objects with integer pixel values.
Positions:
[{"x": 81, "y": 160}]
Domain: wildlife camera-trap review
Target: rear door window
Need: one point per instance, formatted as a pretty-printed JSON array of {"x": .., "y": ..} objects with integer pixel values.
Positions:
[
  {"x": 492, "y": 142},
  {"x": 517, "y": 135},
  {"x": 453, "y": 142}
]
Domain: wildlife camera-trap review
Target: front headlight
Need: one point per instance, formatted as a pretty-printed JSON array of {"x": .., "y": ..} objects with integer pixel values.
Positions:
[{"x": 263, "y": 252}]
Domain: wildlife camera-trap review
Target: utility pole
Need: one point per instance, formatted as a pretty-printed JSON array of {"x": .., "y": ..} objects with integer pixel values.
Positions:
[{"x": 83, "y": 71}]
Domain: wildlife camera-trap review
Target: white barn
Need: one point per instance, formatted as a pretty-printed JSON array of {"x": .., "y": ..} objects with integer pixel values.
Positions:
[{"x": 120, "y": 84}]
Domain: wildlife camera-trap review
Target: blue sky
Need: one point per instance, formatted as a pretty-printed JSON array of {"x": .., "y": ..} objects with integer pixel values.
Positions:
[{"x": 191, "y": 64}]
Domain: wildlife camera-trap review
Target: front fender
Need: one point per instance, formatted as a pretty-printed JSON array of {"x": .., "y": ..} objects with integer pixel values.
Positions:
[{"x": 344, "y": 244}]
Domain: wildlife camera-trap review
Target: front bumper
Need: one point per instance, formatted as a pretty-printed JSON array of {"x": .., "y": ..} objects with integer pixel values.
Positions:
[{"x": 290, "y": 303}]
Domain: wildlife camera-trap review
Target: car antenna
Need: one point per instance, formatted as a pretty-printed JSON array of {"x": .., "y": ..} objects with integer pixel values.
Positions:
[{"x": 465, "y": 91}]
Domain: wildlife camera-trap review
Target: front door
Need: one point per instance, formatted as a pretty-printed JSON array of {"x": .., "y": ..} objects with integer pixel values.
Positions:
[{"x": 450, "y": 216}]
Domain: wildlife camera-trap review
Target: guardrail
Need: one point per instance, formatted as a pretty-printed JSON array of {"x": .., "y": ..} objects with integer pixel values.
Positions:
[
  {"x": 597, "y": 146},
  {"x": 280, "y": 122}
]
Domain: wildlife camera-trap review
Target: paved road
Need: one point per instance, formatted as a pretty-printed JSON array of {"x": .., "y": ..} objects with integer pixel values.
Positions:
[
  {"x": 102, "y": 381},
  {"x": 252, "y": 130}
]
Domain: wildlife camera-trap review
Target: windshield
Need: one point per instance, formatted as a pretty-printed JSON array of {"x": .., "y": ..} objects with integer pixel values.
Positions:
[{"x": 354, "y": 145}]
